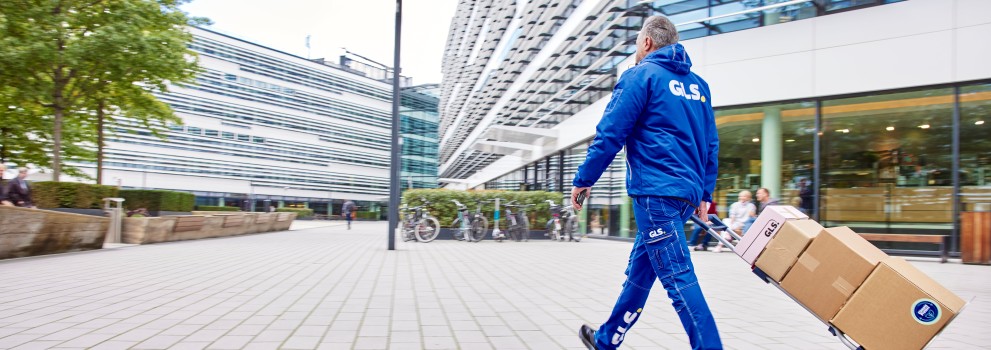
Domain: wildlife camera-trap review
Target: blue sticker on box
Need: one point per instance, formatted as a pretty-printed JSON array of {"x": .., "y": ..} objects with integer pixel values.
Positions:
[{"x": 926, "y": 311}]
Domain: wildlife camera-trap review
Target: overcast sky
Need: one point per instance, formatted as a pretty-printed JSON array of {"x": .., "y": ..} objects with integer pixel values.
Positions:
[{"x": 365, "y": 27}]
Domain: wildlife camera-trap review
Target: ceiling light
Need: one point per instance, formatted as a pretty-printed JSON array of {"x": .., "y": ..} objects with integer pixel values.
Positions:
[
  {"x": 979, "y": 122},
  {"x": 890, "y": 128},
  {"x": 756, "y": 140},
  {"x": 845, "y": 131},
  {"x": 924, "y": 126},
  {"x": 789, "y": 140}
]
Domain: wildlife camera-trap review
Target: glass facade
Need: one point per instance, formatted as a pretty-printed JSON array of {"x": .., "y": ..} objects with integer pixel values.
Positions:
[
  {"x": 418, "y": 127},
  {"x": 886, "y": 159},
  {"x": 273, "y": 124},
  {"x": 581, "y": 71}
]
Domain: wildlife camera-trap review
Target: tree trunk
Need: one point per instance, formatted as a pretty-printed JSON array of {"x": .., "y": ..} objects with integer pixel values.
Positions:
[
  {"x": 58, "y": 106},
  {"x": 99, "y": 143},
  {"x": 57, "y": 136}
]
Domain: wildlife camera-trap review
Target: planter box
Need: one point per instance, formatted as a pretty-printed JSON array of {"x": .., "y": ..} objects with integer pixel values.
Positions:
[
  {"x": 28, "y": 232},
  {"x": 220, "y": 224}
]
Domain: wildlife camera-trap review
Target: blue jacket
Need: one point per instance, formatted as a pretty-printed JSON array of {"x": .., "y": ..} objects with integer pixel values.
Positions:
[{"x": 662, "y": 113}]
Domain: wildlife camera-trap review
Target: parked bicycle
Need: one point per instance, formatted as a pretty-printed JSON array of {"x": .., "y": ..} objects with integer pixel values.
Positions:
[
  {"x": 471, "y": 227},
  {"x": 518, "y": 224},
  {"x": 419, "y": 225},
  {"x": 563, "y": 223}
]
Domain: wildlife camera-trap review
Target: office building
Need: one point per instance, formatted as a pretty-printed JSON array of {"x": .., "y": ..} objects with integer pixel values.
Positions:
[
  {"x": 876, "y": 104},
  {"x": 262, "y": 127}
]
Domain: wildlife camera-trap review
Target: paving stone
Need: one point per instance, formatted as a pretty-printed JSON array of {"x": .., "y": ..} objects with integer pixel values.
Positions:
[{"x": 330, "y": 288}]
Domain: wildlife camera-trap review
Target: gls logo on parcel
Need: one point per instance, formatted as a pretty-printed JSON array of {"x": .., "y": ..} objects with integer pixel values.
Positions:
[{"x": 678, "y": 89}]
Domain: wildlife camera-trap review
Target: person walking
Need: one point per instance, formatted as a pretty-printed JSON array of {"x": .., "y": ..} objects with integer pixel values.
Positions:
[
  {"x": 18, "y": 190},
  {"x": 662, "y": 113},
  {"x": 348, "y": 210}
]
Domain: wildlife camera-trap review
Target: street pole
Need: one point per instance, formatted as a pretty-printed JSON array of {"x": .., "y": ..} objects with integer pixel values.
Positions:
[{"x": 394, "y": 173}]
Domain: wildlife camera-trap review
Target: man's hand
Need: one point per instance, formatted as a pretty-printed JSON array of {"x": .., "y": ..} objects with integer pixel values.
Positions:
[
  {"x": 703, "y": 210},
  {"x": 574, "y": 196}
]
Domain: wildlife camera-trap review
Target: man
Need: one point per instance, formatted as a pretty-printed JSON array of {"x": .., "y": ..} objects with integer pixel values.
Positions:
[
  {"x": 662, "y": 113},
  {"x": 348, "y": 210},
  {"x": 763, "y": 200},
  {"x": 18, "y": 190},
  {"x": 3, "y": 187}
]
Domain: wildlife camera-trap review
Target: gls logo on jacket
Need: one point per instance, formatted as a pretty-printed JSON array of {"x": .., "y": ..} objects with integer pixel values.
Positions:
[{"x": 678, "y": 89}]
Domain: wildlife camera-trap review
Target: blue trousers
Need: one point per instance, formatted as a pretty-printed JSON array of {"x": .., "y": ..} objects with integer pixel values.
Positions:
[
  {"x": 695, "y": 237},
  {"x": 658, "y": 253}
]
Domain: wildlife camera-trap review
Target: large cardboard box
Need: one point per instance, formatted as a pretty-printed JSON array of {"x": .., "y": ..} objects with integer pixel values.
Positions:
[
  {"x": 786, "y": 246},
  {"x": 764, "y": 228},
  {"x": 897, "y": 307},
  {"x": 836, "y": 262}
]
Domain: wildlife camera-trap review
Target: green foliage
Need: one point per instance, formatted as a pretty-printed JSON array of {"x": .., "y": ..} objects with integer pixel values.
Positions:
[
  {"x": 59, "y": 60},
  {"x": 216, "y": 208},
  {"x": 300, "y": 212},
  {"x": 48, "y": 194},
  {"x": 367, "y": 215},
  {"x": 445, "y": 210},
  {"x": 158, "y": 200}
]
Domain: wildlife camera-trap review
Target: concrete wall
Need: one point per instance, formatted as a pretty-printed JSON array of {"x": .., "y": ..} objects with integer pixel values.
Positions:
[
  {"x": 162, "y": 229},
  {"x": 28, "y": 232}
]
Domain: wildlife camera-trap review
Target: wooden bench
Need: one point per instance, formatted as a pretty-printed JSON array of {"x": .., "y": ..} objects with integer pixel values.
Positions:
[
  {"x": 942, "y": 240},
  {"x": 233, "y": 220},
  {"x": 188, "y": 223}
]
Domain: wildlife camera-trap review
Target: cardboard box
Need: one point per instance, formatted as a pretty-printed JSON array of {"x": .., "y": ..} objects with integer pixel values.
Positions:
[
  {"x": 897, "y": 307},
  {"x": 764, "y": 228},
  {"x": 786, "y": 246},
  {"x": 830, "y": 270}
]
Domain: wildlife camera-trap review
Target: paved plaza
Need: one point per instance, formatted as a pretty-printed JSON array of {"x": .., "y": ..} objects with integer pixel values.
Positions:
[{"x": 329, "y": 288}]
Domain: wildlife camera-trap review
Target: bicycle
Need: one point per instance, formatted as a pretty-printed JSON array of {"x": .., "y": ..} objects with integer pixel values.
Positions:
[
  {"x": 472, "y": 226},
  {"x": 519, "y": 224},
  {"x": 419, "y": 225},
  {"x": 569, "y": 229}
]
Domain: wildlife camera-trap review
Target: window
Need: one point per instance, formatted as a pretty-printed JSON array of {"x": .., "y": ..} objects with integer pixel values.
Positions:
[
  {"x": 975, "y": 147},
  {"x": 886, "y": 160}
]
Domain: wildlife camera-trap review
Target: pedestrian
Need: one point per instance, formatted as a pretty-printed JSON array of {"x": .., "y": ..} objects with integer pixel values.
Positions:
[
  {"x": 3, "y": 188},
  {"x": 348, "y": 210},
  {"x": 662, "y": 113},
  {"x": 18, "y": 190},
  {"x": 704, "y": 245}
]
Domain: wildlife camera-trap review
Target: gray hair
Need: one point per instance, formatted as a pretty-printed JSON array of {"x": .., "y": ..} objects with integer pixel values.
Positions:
[{"x": 660, "y": 30}]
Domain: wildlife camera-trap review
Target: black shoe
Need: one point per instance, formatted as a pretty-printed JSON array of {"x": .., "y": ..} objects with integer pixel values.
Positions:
[{"x": 588, "y": 336}]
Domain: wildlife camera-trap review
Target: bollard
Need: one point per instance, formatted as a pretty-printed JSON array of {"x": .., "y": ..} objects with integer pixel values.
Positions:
[{"x": 115, "y": 212}]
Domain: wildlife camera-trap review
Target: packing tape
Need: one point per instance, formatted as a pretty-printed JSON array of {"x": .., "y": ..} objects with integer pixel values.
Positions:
[
  {"x": 808, "y": 262},
  {"x": 843, "y": 286}
]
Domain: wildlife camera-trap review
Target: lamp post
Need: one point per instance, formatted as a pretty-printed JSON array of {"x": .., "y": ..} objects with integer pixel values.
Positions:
[{"x": 394, "y": 173}]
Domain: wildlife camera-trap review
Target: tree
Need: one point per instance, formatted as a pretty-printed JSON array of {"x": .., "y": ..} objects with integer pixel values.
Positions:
[{"x": 73, "y": 60}]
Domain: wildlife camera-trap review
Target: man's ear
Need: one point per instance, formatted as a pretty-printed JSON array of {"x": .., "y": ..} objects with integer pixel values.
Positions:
[{"x": 648, "y": 42}]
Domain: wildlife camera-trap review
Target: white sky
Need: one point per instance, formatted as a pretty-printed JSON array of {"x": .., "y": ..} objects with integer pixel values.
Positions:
[{"x": 365, "y": 27}]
